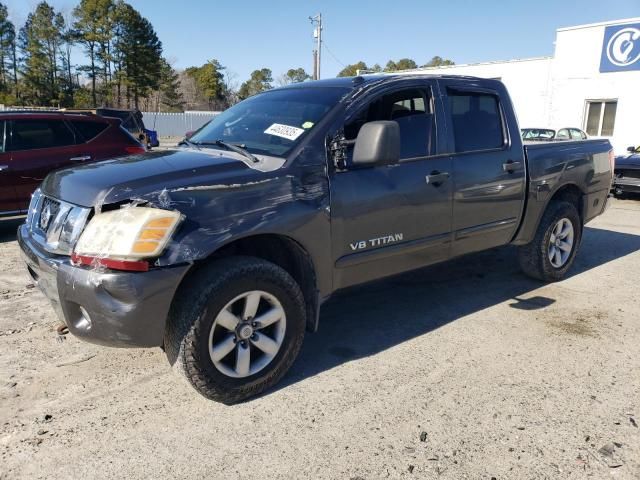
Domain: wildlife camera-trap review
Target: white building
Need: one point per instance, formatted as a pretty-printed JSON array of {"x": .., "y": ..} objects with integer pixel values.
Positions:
[{"x": 592, "y": 82}]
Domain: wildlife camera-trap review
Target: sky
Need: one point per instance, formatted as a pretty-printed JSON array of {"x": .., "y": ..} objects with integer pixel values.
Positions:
[{"x": 277, "y": 34}]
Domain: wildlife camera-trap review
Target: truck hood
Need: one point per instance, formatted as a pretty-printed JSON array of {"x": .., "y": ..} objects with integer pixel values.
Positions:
[
  {"x": 136, "y": 176},
  {"x": 629, "y": 161}
]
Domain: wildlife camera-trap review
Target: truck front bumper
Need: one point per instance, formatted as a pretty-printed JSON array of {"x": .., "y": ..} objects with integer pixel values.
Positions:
[{"x": 112, "y": 308}]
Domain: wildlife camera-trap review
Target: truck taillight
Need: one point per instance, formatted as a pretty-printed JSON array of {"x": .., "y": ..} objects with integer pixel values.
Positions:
[
  {"x": 612, "y": 162},
  {"x": 135, "y": 149}
]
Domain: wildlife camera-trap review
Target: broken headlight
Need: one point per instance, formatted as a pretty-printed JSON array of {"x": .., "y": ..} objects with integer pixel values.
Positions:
[{"x": 126, "y": 236}]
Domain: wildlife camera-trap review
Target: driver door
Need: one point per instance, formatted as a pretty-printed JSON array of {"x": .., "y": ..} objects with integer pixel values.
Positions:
[{"x": 387, "y": 219}]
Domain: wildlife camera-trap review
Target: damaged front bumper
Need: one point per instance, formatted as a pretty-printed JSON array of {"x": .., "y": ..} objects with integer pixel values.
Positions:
[{"x": 117, "y": 309}]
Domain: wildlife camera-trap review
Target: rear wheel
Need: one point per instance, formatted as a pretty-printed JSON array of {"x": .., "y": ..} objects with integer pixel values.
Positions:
[
  {"x": 236, "y": 328},
  {"x": 550, "y": 254}
]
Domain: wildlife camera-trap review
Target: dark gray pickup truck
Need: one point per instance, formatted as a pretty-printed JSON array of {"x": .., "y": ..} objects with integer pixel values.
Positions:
[{"x": 222, "y": 250}]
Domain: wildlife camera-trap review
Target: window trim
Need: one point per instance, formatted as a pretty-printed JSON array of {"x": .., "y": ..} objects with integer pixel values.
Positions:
[
  {"x": 602, "y": 102},
  {"x": 506, "y": 138}
]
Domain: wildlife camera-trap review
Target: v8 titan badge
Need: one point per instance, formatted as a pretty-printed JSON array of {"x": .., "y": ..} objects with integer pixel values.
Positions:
[{"x": 284, "y": 131}]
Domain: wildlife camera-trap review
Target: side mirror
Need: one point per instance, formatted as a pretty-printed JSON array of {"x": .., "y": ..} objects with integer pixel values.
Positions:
[
  {"x": 378, "y": 143},
  {"x": 631, "y": 149}
]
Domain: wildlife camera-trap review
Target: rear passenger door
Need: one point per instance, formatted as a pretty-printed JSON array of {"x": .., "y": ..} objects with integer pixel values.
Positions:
[
  {"x": 488, "y": 166},
  {"x": 36, "y": 147}
]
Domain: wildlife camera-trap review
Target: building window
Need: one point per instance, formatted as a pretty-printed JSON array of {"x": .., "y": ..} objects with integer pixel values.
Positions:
[{"x": 600, "y": 117}]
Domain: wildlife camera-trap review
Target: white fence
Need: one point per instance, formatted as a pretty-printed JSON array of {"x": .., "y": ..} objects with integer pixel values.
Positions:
[
  {"x": 176, "y": 124},
  {"x": 166, "y": 124}
]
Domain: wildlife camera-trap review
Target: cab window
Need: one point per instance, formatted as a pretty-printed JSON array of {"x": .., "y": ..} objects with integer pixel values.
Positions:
[{"x": 412, "y": 110}]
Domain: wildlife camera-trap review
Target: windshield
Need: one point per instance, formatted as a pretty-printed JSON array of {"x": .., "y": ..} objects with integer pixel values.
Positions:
[{"x": 271, "y": 123}]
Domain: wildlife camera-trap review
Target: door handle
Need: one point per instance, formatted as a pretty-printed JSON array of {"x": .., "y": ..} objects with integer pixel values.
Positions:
[
  {"x": 81, "y": 158},
  {"x": 4, "y": 167},
  {"x": 436, "y": 178},
  {"x": 510, "y": 166}
]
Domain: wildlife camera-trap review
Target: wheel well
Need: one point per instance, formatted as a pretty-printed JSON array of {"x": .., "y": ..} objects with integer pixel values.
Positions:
[
  {"x": 288, "y": 255},
  {"x": 570, "y": 193}
]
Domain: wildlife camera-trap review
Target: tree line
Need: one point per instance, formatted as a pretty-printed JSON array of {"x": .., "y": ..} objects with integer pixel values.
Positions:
[
  {"x": 123, "y": 52},
  {"x": 124, "y": 65},
  {"x": 392, "y": 66}
]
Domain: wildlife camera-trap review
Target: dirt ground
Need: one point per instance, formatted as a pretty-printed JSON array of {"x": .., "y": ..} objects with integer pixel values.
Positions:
[{"x": 467, "y": 370}]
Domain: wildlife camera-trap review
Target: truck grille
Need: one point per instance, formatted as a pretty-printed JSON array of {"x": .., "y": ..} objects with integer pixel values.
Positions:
[
  {"x": 54, "y": 224},
  {"x": 48, "y": 212}
]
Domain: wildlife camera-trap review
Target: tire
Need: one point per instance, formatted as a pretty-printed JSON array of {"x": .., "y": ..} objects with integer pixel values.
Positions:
[
  {"x": 196, "y": 333},
  {"x": 534, "y": 258}
]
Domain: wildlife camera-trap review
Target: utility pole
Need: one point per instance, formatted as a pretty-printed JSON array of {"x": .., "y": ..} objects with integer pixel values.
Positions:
[{"x": 316, "y": 21}]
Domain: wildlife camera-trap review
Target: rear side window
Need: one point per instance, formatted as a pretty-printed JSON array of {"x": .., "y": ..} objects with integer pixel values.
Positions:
[
  {"x": 563, "y": 134},
  {"x": 34, "y": 134},
  {"x": 576, "y": 134},
  {"x": 476, "y": 121},
  {"x": 89, "y": 129}
]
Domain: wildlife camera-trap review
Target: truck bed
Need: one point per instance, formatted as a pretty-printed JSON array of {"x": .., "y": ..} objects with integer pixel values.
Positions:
[{"x": 550, "y": 165}]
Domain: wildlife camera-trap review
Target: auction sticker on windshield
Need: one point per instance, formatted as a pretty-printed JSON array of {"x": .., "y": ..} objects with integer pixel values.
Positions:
[{"x": 284, "y": 131}]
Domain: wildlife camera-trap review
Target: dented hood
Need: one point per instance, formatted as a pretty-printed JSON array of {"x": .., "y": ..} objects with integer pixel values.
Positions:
[{"x": 124, "y": 178}]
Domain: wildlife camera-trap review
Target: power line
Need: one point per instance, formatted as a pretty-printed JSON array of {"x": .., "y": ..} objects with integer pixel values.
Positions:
[{"x": 332, "y": 55}]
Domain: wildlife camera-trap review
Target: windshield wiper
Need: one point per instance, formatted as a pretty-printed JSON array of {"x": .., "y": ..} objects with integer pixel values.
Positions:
[
  {"x": 186, "y": 141},
  {"x": 233, "y": 147}
]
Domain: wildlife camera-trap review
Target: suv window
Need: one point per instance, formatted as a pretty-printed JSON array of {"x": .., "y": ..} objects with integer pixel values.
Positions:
[
  {"x": 576, "y": 134},
  {"x": 89, "y": 129},
  {"x": 411, "y": 109},
  {"x": 33, "y": 134},
  {"x": 563, "y": 134},
  {"x": 476, "y": 120}
]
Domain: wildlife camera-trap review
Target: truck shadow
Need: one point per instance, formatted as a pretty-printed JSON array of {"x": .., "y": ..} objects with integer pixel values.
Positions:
[
  {"x": 9, "y": 228},
  {"x": 369, "y": 319}
]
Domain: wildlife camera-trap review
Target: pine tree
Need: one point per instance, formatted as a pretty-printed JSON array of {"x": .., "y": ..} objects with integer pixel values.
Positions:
[
  {"x": 39, "y": 42},
  {"x": 169, "y": 92},
  {"x": 210, "y": 85},
  {"x": 94, "y": 27},
  {"x": 259, "y": 81},
  {"x": 7, "y": 44},
  {"x": 140, "y": 54}
]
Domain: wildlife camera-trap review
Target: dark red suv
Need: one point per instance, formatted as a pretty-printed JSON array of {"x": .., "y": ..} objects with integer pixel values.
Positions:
[{"x": 34, "y": 144}]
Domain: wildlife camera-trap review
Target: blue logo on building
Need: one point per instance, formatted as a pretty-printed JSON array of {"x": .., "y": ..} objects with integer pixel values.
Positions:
[{"x": 621, "y": 48}]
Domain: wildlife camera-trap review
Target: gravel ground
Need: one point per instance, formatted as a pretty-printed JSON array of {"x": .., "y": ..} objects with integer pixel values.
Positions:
[{"x": 466, "y": 370}]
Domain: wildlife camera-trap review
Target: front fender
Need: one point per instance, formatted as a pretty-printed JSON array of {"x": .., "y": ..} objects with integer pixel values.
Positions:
[{"x": 292, "y": 204}]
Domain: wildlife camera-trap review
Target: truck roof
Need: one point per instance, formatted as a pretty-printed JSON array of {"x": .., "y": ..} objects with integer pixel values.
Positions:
[{"x": 359, "y": 81}]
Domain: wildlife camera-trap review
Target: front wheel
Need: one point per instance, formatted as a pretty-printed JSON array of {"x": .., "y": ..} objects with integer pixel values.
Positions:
[
  {"x": 550, "y": 254},
  {"x": 235, "y": 328}
]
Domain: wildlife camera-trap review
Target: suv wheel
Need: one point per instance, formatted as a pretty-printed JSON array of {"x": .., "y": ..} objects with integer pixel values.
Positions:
[
  {"x": 235, "y": 328},
  {"x": 550, "y": 254}
]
